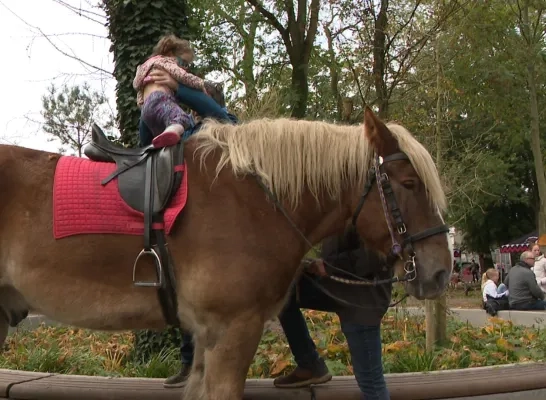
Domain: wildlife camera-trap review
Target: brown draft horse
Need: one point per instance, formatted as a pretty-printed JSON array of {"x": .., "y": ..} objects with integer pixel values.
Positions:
[{"x": 235, "y": 254}]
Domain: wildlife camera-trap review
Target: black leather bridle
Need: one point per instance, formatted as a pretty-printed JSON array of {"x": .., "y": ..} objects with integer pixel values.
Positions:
[{"x": 394, "y": 219}]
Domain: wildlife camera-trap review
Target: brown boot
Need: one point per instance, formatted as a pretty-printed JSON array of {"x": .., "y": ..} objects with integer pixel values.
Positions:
[
  {"x": 179, "y": 379},
  {"x": 304, "y": 377}
]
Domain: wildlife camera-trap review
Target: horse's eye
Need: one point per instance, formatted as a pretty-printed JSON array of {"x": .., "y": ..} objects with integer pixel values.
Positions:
[{"x": 409, "y": 184}]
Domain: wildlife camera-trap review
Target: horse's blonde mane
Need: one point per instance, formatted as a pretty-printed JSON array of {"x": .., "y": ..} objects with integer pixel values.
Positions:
[{"x": 292, "y": 155}]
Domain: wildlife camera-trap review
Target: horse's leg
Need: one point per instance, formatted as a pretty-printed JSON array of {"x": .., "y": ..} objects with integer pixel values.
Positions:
[
  {"x": 194, "y": 388},
  {"x": 228, "y": 355}
]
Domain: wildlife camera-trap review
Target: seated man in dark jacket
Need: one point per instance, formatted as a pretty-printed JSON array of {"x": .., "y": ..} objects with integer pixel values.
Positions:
[
  {"x": 360, "y": 324},
  {"x": 525, "y": 294}
]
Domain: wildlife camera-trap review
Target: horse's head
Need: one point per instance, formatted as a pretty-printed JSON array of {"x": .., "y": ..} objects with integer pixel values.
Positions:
[{"x": 399, "y": 210}]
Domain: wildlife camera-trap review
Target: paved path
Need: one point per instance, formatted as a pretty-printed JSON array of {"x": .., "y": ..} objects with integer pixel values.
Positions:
[{"x": 478, "y": 317}]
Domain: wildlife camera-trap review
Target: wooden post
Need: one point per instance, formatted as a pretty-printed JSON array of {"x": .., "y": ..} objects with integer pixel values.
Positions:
[{"x": 430, "y": 322}]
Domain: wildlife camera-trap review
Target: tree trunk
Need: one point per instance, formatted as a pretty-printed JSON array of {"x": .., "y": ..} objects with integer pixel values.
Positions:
[
  {"x": 134, "y": 28},
  {"x": 300, "y": 90},
  {"x": 80, "y": 145},
  {"x": 248, "y": 59},
  {"x": 299, "y": 37},
  {"x": 334, "y": 76},
  {"x": 379, "y": 61},
  {"x": 535, "y": 125}
]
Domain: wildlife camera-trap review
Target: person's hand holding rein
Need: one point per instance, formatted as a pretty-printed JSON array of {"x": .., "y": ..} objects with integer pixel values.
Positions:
[{"x": 317, "y": 268}]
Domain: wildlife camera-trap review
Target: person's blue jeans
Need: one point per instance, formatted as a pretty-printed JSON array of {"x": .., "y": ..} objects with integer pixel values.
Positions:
[
  {"x": 534, "y": 306},
  {"x": 197, "y": 100},
  {"x": 365, "y": 348},
  {"x": 364, "y": 341}
]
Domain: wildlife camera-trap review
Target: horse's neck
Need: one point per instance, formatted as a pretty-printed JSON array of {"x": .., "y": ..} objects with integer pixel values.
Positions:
[
  {"x": 320, "y": 223},
  {"x": 311, "y": 220}
]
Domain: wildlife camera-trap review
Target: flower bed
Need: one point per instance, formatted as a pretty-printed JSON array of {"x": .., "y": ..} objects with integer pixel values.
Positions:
[{"x": 79, "y": 351}]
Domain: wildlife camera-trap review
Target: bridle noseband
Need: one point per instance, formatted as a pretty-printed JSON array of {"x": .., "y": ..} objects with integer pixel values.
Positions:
[{"x": 392, "y": 215}]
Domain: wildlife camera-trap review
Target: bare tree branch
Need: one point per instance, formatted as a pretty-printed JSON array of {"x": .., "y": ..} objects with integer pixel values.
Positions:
[
  {"x": 82, "y": 13},
  {"x": 77, "y": 34},
  {"x": 269, "y": 16},
  {"x": 55, "y": 46},
  {"x": 404, "y": 25},
  {"x": 313, "y": 27}
]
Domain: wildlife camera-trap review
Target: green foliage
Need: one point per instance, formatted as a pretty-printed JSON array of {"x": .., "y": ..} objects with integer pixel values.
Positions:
[
  {"x": 134, "y": 29},
  {"x": 70, "y": 112},
  {"x": 493, "y": 97},
  {"x": 486, "y": 163},
  {"x": 152, "y": 343}
]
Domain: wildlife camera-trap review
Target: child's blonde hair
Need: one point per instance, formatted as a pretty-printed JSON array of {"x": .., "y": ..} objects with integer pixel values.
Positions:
[
  {"x": 173, "y": 45},
  {"x": 489, "y": 274}
]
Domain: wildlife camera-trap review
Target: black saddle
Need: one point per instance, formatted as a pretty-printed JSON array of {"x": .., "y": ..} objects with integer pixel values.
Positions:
[
  {"x": 131, "y": 170},
  {"x": 148, "y": 178}
]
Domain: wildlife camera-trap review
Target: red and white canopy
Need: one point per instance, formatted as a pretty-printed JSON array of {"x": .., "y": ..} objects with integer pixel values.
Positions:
[{"x": 521, "y": 244}]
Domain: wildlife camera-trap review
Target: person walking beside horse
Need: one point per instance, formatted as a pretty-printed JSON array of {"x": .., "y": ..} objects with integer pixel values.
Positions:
[{"x": 360, "y": 309}]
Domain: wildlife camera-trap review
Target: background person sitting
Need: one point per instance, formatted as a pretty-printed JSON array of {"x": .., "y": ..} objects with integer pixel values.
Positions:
[
  {"x": 495, "y": 298},
  {"x": 525, "y": 294}
]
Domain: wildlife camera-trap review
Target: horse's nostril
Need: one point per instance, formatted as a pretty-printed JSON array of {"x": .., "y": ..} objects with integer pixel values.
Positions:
[{"x": 441, "y": 277}]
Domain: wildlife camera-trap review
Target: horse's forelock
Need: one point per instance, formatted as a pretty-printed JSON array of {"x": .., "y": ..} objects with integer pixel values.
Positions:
[{"x": 423, "y": 164}]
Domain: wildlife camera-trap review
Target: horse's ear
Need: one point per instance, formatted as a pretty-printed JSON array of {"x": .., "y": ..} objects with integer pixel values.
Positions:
[{"x": 378, "y": 134}]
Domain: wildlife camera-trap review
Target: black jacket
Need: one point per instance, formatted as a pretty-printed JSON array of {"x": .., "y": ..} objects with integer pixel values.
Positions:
[
  {"x": 346, "y": 253},
  {"x": 522, "y": 284}
]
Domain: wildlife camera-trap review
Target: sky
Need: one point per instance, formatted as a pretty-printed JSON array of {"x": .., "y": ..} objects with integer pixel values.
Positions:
[{"x": 30, "y": 63}]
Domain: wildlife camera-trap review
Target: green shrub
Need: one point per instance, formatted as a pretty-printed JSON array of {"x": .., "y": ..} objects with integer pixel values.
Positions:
[{"x": 149, "y": 344}]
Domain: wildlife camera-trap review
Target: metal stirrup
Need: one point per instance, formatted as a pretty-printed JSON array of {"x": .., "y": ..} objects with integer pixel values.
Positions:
[{"x": 158, "y": 268}]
